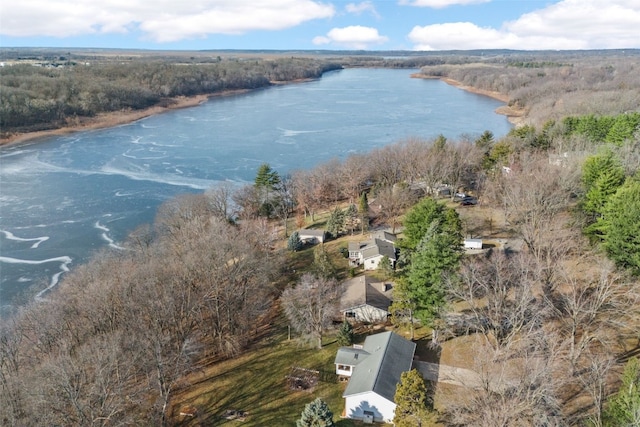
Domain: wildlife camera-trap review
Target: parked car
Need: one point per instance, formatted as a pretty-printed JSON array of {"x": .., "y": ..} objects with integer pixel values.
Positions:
[{"x": 469, "y": 201}]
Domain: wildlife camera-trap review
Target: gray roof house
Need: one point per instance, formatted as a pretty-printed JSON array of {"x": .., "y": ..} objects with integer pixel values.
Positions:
[
  {"x": 374, "y": 370},
  {"x": 364, "y": 300},
  {"x": 370, "y": 252}
]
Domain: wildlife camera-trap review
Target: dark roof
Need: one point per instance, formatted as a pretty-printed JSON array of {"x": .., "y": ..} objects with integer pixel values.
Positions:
[
  {"x": 389, "y": 356},
  {"x": 360, "y": 291}
]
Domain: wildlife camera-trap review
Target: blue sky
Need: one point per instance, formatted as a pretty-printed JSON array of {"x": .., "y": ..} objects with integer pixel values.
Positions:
[{"x": 322, "y": 24}]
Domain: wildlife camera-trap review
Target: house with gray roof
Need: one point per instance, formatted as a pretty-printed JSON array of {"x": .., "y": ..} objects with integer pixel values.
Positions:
[
  {"x": 374, "y": 370},
  {"x": 369, "y": 253},
  {"x": 365, "y": 299}
]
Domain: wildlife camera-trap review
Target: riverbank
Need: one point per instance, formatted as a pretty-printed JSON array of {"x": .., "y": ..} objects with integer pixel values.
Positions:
[
  {"x": 516, "y": 116},
  {"x": 116, "y": 118}
]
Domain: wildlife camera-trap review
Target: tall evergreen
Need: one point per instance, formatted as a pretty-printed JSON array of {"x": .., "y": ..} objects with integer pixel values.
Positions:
[
  {"x": 363, "y": 210},
  {"x": 620, "y": 226}
]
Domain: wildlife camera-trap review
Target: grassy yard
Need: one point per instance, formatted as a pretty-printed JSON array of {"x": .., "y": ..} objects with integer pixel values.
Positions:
[{"x": 256, "y": 383}]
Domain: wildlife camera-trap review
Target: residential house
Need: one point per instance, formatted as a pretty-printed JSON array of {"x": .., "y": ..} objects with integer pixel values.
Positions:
[
  {"x": 369, "y": 253},
  {"x": 312, "y": 236},
  {"x": 364, "y": 300},
  {"x": 374, "y": 370}
]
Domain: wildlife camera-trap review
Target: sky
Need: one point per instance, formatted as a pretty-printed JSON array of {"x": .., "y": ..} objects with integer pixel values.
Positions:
[{"x": 423, "y": 25}]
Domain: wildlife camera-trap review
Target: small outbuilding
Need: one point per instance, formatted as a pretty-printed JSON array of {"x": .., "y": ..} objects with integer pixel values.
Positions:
[
  {"x": 312, "y": 236},
  {"x": 473, "y": 243}
]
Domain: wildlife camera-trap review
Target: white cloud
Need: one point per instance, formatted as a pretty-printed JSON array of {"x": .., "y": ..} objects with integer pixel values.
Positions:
[
  {"x": 568, "y": 24},
  {"x": 359, "y": 8},
  {"x": 160, "y": 20},
  {"x": 439, "y": 4},
  {"x": 352, "y": 37}
]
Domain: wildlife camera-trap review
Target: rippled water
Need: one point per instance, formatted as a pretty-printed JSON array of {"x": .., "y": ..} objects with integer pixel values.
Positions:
[{"x": 64, "y": 197}]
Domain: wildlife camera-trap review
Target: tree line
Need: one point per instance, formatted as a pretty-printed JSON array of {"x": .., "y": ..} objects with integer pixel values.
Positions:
[
  {"x": 35, "y": 98},
  {"x": 551, "y": 86}
]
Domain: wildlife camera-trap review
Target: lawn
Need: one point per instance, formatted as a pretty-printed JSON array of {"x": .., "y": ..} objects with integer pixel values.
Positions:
[{"x": 255, "y": 382}]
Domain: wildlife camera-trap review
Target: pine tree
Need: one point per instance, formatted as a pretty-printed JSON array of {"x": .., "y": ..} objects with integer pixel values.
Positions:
[
  {"x": 623, "y": 408},
  {"x": 316, "y": 414},
  {"x": 432, "y": 244},
  {"x": 620, "y": 226},
  {"x": 336, "y": 221},
  {"x": 294, "y": 243},
  {"x": 322, "y": 264},
  {"x": 345, "y": 334},
  {"x": 267, "y": 177},
  {"x": 412, "y": 401},
  {"x": 363, "y": 210}
]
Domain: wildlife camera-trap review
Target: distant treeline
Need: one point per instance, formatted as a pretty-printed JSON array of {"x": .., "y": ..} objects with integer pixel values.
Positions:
[
  {"x": 551, "y": 85},
  {"x": 36, "y": 98}
]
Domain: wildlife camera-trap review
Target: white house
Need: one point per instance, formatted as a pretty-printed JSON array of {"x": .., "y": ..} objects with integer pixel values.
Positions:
[
  {"x": 374, "y": 371},
  {"x": 370, "y": 252},
  {"x": 364, "y": 300}
]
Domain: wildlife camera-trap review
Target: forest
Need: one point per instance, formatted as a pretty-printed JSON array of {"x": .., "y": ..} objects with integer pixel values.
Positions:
[
  {"x": 549, "y": 325},
  {"x": 56, "y": 93}
]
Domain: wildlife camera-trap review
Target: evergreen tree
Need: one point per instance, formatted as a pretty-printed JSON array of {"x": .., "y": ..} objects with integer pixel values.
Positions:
[
  {"x": 596, "y": 165},
  {"x": 485, "y": 141},
  {"x": 385, "y": 267},
  {"x": 267, "y": 177},
  {"x": 336, "y": 222},
  {"x": 623, "y": 408},
  {"x": 412, "y": 401},
  {"x": 439, "y": 252},
  {"x": 316, "y": 414},
  {"x": 605, "y": 185},
  {"x": 294, "y": 243},
  {"x": 432, "y": 246},
  {"x": 351, "y": 217},
  {"x": 266, "y": 183},
  {"x": 322, "y": 264},
  {"x": 345, "y": 334},
  {"x": 363, "y": 210},
  {"x": 402, "y": 308},
  {"x": 624, "y": 128},
  {"x": 620, "y": 226}
]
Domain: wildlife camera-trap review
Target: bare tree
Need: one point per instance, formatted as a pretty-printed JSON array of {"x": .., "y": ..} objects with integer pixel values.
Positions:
[
  {"x": 220, "y": 198},
  {"x": 497, "y": 290},
  {"x": 392, "y": 203},
  {"x": 311, "y": 305}
]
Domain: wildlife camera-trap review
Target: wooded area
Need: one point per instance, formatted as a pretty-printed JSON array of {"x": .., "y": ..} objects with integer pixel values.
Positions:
[
  {"x": 551, "y": 322},
  {"x": 63, "y": 93}
]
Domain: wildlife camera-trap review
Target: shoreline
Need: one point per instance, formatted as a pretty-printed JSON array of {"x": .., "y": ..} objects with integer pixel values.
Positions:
[
  {"x": 116, "y": 118},
  {"x": 515, "y": 116}
]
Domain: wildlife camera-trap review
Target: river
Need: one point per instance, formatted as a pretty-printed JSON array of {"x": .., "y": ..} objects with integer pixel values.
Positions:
[{"x": 63, "y": 197}]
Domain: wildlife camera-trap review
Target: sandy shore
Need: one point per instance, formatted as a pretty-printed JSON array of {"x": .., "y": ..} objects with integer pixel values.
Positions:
[
  {"x": 516, "y": 116},
  {"x": 115, "y": 118}
]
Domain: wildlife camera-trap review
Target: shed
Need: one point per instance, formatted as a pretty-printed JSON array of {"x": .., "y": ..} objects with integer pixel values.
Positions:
[{"x": 473, "y": 243}]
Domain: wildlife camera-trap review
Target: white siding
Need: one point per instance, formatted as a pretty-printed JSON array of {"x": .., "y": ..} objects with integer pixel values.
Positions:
[
  {"x": 344, "y": 370},
  {"x": 381, "y": 407},
  {"x": 372, "y": 263},
  {"x": 368, "y": 313}
]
